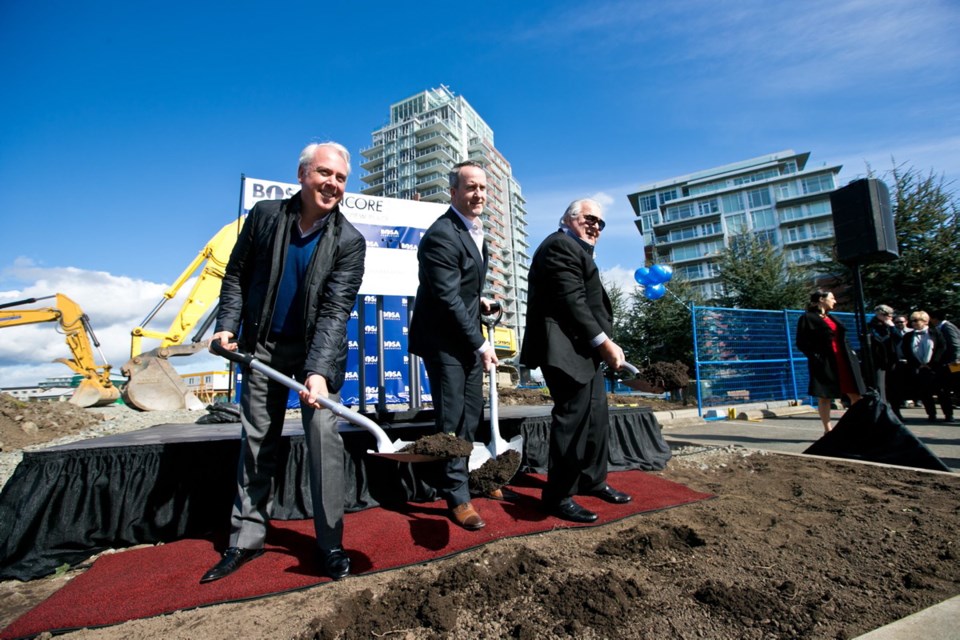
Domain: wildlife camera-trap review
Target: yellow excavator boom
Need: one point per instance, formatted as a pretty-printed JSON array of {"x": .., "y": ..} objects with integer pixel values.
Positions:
[
  {"x": 152, "y": 383},
  {"x": 96, "y": 387}
]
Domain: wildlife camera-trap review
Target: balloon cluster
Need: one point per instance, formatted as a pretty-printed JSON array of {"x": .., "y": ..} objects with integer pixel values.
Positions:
[{"x": 653, "y": 279}]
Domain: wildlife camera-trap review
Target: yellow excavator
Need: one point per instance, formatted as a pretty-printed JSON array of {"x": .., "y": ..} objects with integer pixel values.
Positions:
[
  {"x": 95, "y": 388},
  {"x": 152, "y": 383}
]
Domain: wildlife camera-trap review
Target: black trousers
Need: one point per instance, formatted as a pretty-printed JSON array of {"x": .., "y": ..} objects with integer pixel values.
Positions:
[
  {"x": 579, "y": 435},
  {"x": 457, "y": 392}
]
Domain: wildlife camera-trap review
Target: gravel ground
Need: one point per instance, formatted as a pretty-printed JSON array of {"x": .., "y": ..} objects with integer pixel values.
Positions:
[{"x": 115, "y": 419}]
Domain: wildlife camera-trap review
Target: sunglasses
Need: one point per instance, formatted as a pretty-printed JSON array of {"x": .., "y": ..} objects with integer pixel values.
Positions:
[{"x": 592, "y": 219}]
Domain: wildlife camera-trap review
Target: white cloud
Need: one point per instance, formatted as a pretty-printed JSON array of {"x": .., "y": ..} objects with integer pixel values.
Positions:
[
  {"x": 114, "y": 305},
  {"x": 621, "y": 277}
]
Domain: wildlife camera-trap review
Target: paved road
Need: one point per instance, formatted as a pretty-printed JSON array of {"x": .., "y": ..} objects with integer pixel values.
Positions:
[{"x": 793, "y": 434}]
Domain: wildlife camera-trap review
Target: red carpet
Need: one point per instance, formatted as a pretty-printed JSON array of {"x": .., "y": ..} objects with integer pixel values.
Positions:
[{"x": 156, "y": 580}]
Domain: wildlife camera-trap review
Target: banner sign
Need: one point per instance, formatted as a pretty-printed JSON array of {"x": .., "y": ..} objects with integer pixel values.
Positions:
[{"x": 392, "y": 229}]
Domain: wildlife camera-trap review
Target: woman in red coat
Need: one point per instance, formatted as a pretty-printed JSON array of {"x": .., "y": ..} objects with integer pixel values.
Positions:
[{"x": 834, "y": 368}]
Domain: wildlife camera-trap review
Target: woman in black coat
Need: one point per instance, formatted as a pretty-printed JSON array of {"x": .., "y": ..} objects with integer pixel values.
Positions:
[{"x": 834, "y": 368}]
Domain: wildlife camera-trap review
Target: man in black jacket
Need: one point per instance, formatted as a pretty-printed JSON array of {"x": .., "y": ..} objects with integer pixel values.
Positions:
[
  {"x": 948, "y": 381},
  {"x": 289, "y": 287},
  {"x": 445, "y": 329},
  {"x": 569, "y": 323}
]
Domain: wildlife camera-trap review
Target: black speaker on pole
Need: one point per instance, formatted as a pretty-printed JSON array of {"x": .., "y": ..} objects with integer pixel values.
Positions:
[{"x": 863, "y": 223}]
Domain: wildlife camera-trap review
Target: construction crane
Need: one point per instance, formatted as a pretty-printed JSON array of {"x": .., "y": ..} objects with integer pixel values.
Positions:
[{"x": 95, "y": 387}]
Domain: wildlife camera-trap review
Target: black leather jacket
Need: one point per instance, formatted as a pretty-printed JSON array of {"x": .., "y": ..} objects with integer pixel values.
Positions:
[{"x": 249, "y": 288}]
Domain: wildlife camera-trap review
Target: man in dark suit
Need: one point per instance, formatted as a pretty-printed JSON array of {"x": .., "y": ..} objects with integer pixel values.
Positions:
[
  {"x": 947, "y": 381},
  {"x": 445, "y": 329},
  {"x": 290, "y": 284},
  {"x": 922, "y": 349},
  {"x": 569, "y": 321}
]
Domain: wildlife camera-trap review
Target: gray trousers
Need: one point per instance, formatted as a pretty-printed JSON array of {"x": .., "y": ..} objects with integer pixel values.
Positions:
[{"x": 263, "y": 404}]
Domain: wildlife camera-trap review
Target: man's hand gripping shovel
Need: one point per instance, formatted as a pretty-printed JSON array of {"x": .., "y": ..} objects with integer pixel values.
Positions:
[
  {"x": 495, "y": 450},
  {"x": 385, "y": 448}
]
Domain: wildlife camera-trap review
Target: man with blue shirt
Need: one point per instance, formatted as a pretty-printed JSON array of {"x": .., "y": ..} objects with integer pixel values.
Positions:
[{"x": 289, "y": 287}]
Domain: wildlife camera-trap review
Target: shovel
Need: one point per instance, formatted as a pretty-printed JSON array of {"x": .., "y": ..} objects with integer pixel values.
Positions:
[
  {"x": 633, "y": 381},
  {"x": 385, "y": 448},
  {"x": 497, "y": 446}
]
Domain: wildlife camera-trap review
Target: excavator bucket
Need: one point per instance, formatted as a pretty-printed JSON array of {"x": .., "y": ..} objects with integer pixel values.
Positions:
[
  {"x": 91, "y": 394},
  {"x": 154, "y": 385}
]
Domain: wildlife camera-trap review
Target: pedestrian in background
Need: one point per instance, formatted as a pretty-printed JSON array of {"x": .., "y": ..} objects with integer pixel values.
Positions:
[{"x": 832, "y": 364}]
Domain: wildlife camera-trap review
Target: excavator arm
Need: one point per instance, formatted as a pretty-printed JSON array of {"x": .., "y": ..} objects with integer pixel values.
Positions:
[
  {"x": 152, "y": 383},
  {"x": 96, "y": 387}
]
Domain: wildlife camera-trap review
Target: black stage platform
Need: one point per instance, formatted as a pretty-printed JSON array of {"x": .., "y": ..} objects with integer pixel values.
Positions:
[{"x": 66, "y": 503}]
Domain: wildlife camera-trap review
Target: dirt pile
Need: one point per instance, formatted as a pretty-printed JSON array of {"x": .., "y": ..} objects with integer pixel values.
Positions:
[{"x": 26, "y": 423}]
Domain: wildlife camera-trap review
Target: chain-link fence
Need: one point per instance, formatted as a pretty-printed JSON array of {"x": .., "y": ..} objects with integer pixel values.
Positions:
[{"x": 748, "y": 355}]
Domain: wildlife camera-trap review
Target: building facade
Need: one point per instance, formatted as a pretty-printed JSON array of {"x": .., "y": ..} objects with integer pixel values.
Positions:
[
  {"x": 410, "y": 158},
  {"x": 688, "y": 220}
]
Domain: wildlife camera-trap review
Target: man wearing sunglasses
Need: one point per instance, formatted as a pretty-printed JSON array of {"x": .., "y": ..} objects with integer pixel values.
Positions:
[{"x": 569, "y": 321}]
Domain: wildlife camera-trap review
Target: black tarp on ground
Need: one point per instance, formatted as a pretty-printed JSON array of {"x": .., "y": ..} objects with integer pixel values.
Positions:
[
  {"x": 67, "y": 503},
  {"x": 871, "y": 431}
]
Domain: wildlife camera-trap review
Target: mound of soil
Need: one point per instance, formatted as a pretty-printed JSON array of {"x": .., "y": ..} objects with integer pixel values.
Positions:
[
  {"x": 441, "y": 445},
  {"x": 27, "y": 423}
]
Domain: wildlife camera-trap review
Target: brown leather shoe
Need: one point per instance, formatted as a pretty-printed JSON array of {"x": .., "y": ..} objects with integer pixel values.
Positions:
[
  {"x": 467, "y": 517},
  {"x": 494, "y": 494}
]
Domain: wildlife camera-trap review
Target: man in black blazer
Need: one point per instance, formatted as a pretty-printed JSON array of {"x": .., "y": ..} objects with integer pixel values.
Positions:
[
  {"x": 569, "y": 321},
  {"x": 948, "y": 382},
  {"x": 290, "y": 284},
  {"x": 445, "y": 330}
]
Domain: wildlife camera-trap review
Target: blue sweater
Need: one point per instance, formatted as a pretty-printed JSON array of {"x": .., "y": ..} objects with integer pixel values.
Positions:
[{"x": 288, "y": 310}]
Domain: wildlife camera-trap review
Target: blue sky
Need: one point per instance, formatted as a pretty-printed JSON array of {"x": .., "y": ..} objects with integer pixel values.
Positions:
[{"x": 126, "y": 126}]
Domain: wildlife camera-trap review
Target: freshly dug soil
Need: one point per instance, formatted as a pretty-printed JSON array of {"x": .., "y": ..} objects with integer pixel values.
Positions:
[
  {"x": 441, "y": 445},
  {"x": 791, "y": 547},
  {"x": 495, "y": 473}
]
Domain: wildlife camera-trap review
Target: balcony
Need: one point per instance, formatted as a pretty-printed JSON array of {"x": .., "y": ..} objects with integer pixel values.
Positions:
[
  {"x": 425, "y": 167},
  {"x": 433, "y": 137},
  {"x": 437, "y": 151},
  {"x": 435, "y": 179},
  {"x": 373, "y": 190},
  {"x": 436, "y": 124},
  {"x": 372, "y": 150}
]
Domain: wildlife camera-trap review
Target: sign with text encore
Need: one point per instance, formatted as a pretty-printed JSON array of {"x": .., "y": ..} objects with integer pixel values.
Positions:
[{"x": 392, "y": 229}]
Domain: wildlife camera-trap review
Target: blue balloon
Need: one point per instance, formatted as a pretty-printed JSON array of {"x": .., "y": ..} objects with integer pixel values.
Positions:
[
  {"x": 654, "y": 291},
  {"x": 661, "y": 273},
  {"x": 642, "y": 276}
]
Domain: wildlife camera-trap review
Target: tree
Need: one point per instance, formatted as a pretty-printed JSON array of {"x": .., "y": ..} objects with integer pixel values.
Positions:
[
  {"x": 661, "y": 330},
  {"x": 927, "y": 274},
  {"x": 755, "y": 275}
]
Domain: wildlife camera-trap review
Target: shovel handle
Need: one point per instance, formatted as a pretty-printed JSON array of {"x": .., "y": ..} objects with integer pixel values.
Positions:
[
  {"x": 629, "y": 367},
  {"x": 383, "y": 441}
]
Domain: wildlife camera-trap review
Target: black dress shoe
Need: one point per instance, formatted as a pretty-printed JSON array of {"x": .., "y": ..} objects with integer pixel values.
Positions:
[
  {"x": 610, "y": 494},
  {"x": 233, "y": 558},
  {"x": 570, "y": 510},
  {"x": 335, "y": 563}
]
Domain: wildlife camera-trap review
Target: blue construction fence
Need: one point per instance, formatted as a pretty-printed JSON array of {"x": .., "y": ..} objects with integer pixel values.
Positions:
[{"x": 749, "y": 355}]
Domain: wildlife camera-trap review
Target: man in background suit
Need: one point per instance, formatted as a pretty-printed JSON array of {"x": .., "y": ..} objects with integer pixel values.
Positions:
[
  {"x": 947, "y": 381},
  {"x": 569, "y": 321},
  {"x": 445, "y": 329}
]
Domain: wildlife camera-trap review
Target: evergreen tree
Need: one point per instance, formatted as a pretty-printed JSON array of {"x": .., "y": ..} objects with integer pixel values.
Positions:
[
  {"x": 927, "y": 273},
  {"x": 755, "y": 275}
]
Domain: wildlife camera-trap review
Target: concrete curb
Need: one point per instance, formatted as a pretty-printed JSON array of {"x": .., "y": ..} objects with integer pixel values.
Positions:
[{"x": 752, "y": 411}]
